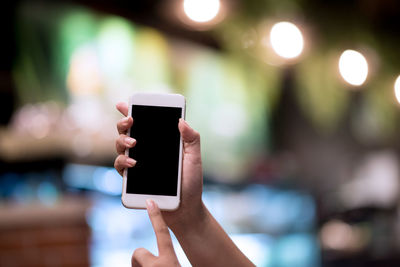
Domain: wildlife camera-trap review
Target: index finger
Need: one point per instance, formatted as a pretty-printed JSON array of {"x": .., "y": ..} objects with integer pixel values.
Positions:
[
  {"x": 164, "y": 241},
  {"x": 123, "y": 108}
]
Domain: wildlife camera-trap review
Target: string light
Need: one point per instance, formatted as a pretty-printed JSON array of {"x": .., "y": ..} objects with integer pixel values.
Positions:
[
  {"x": 286, "y": 40},
  {"x": 201, "y": 10},
  {"x": 397, "y": 89},
  {"x": 353, "y": 67}
]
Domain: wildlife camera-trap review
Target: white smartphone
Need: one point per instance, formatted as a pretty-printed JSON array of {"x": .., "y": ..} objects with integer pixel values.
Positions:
[{"x": 158, "y": 151}]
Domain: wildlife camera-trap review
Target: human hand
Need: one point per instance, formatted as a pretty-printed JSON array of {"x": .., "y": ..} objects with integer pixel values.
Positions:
[
  {"x": 191, "y": 208},
  {"x": 166, "y": 254},
  {"x": 123, "y": 141},
  {"x": 201, "y": 237}
]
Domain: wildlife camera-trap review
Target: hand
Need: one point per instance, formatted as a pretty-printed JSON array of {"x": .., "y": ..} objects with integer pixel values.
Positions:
[
  {"x": 123, "y": 141},
  {"x": 201, "y": 237},
  {"x": 166, "y": 254},
  {"x": 191, "y": 208}
]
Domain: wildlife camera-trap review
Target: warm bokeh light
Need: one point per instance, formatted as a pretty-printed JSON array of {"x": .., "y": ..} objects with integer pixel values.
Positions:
[
  {"x": 84, "y": 75},
  {"x": 335, "y": 235},
  {"x": 201, "y": 10},
  {"x": 353, "y": 67},
  {"x": 286, "y": 40},
  {"x": 397, "y": 89},
  {"x": 338, "y": 235}
]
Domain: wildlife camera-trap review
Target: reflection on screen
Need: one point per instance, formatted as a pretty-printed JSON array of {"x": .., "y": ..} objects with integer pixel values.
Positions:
[{"x": 156, "y": 152}]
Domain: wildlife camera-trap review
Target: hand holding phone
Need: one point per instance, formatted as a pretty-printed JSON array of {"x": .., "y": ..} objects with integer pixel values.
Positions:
[
  {"x": 197, "y": 231},
  {"x": 191, "y": 208},
  {"x": 157, "y": 151}
]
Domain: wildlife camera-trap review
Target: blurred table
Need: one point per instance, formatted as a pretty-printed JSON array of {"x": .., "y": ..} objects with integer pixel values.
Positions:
[{"x": 39, "y": 235}]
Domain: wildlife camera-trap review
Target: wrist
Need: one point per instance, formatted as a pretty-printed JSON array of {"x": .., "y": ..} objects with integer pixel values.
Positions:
[{"x": 192, "y": 221}]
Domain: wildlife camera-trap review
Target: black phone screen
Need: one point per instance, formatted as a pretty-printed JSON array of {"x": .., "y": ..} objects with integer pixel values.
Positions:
[{"x": 156, "y": 151}]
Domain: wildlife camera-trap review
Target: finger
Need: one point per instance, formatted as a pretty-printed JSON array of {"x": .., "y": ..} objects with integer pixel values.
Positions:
[
  {"x": 123, "y": 142},
  {"x": 191, "y": 140},
  {"x": 123, "y": 108},
  {"x": 164, "y": 241},
  {"x": 124, "y": 124},
  {"x": 122, "y": 162},
  {"x": 142, "y": 257}
]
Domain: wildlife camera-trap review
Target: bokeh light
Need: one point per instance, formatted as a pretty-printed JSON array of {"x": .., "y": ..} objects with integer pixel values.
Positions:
[
  {"x": 286, "y": 40},
  {"x": 397, "y": 89},
  {"x": 116, "y": 47},
  {"x": 84, "y": 75},
  {"x": 353, "y": 67},
  {"x": 201, "y": 10},
  {"x": 338, "y": 235}
]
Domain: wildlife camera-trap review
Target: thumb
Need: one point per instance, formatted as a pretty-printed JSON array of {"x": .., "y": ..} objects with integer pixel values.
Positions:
[{"x": 191, "y": 139}]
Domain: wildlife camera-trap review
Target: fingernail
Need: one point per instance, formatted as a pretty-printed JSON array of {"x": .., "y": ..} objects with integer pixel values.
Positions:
[
  {"x": 129, "y": 141},
  {"x": 131, "y": 162},
  {"x": 150, "y": 204}
]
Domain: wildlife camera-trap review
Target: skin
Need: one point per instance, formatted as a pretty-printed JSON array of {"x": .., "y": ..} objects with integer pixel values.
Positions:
[
  {"x": 199, "y": 234},
  {"x": 166, "y": 254}
]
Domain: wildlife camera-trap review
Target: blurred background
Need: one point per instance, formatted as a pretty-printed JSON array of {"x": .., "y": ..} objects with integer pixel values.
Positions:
[{"x": 297, "y": 103}]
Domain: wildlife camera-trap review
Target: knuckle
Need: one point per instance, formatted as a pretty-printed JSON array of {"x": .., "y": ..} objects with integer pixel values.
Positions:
[
  {"x": 116, "y": 163},
  {"x": 197, "y": 135},
  {"x": 138, "y": 252},
  {"x": 119, "y": 140},
  {"x": 163, "y": 229},
  {"x": 122, "y": 138},
  {"x": 135, "y": 255},
  {"x": 119, "y": 125}
]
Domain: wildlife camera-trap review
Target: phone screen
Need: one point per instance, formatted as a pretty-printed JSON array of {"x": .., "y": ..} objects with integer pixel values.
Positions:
[{"x": 156, "y": 151}]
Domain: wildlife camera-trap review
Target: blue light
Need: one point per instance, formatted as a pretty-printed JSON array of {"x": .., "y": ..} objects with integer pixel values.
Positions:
[
  {"x": 107, "y": 180},
  {"x": 78, "y": 176},
  {"x": 257, "y": 247},
  {"x": 47, "y": 193},
  {"x": 297, "y": 250},
  {"x": 103, "y": 179}
]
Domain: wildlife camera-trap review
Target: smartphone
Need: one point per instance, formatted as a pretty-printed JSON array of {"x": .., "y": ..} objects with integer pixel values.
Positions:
[{"x": 158, "y": 151}]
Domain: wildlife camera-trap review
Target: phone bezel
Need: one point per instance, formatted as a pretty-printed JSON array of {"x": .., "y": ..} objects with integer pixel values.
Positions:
[{"x": 138, "y": 201}]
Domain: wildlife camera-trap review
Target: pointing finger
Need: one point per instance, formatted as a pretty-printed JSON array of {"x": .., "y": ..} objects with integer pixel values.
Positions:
[{"x": 164, "y": 241}]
